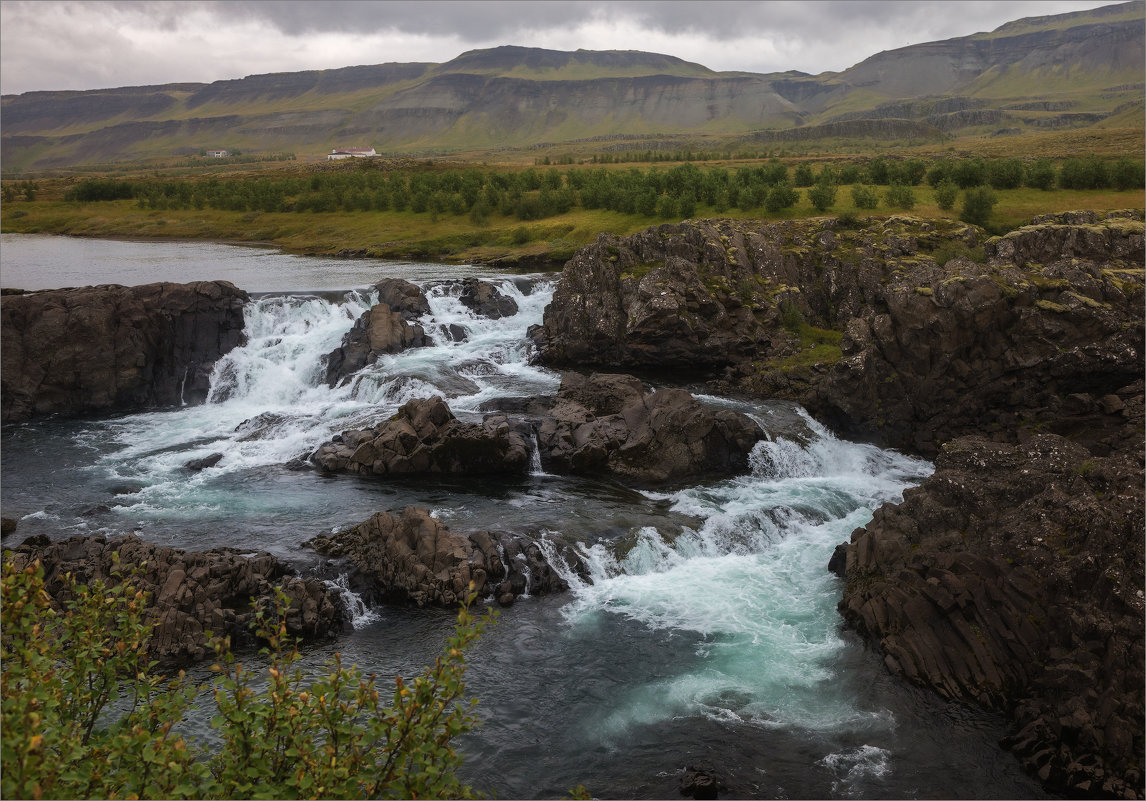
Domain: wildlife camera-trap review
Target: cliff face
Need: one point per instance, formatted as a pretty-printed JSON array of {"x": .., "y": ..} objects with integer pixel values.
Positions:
[
  {"x": 114, "y": 348},
  {"x": 1012, "y": 578}
]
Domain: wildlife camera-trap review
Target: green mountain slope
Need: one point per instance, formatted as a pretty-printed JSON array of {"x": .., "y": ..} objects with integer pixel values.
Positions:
[{"x": 1066, "y": 70}]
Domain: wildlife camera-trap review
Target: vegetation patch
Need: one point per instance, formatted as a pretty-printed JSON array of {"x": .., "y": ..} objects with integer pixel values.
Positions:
[{"x": 639, "y": 271}]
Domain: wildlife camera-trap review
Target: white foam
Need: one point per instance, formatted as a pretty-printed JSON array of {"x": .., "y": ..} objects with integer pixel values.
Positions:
[
  {"x": 360, "y": 614},
  {"x": 748, "y": 587},
  {"x": 855, "y": 768}
]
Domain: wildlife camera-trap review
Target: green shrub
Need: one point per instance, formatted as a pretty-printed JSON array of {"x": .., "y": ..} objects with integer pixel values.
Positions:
[
  {"x": 781, "y": 196},
  {"x": 946, "y": 193},
  {"x": 900, "y": 196},
  {"x": 1005, "y": 173},
  {"x": 803, "y": 175},
  {"x": 978, "y": 204},
  {"x": 85, "y": 715},
  {"x": 822, "y": 196},
  {"x": 1127, "y": 174},
  {"x": 1040, "y": 175},
  {"x": 967, "y": 173},
  {"x": 865, "y": 197},
  {"x": 1089, "y": 173}
]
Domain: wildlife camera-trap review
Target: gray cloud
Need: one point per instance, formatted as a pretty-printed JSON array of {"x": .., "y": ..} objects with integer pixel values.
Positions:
[{"x": 83, "y": 45}]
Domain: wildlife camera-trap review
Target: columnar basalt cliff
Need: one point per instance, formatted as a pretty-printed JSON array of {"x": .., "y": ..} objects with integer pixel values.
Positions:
[
  {"x": 114, "y": 348},
  {"x": 190, "y": 593},
  {"x": 1013, "y": 577}
]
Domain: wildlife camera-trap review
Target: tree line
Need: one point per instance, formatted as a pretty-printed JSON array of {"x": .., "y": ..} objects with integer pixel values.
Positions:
[{"x": 535, "y": 193}]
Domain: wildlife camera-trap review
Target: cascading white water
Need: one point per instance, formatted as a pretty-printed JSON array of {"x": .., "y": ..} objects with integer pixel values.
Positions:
[
  {"x": 749, "y": 587},
  {"x": 269, "y": 403}
]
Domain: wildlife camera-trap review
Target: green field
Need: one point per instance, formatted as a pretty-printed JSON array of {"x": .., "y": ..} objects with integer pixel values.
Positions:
[{"x": 494, "y": 236}]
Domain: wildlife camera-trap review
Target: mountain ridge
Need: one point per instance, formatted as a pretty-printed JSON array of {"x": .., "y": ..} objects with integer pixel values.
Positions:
[{"x": 1072, "y": 69}]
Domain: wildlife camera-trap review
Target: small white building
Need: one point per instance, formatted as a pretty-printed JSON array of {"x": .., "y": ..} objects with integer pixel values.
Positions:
[
  {"x": 351, "y": 153},
  {"x": 218, "y": 154}
]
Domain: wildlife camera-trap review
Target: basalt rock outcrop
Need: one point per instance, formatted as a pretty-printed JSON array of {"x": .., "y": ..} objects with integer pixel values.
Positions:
[
  {"x": 1013, "y": 577},
  {"x": 963, "y": 348},
  {"x": 190, "y": 593},
  {"x": 483, "y": 298},
  {"x": 113, "y": 348},
  {"x": 888, "y": 332},
  {"x": 389, "y": 326},
  {"x": 424, "y": 437},
  {"x": 607, "y": 424},
  {"x": 410, "y": 557}
]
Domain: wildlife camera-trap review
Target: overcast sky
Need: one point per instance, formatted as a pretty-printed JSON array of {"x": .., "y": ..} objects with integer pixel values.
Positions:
[{"x": 91, "y": 45}]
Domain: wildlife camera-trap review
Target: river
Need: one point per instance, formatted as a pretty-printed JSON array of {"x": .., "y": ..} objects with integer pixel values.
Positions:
[{"x": 707, "y": 636}]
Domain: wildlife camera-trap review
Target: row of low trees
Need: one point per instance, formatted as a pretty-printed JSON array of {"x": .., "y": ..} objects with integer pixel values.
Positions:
[{"x": 680, "y": 191}]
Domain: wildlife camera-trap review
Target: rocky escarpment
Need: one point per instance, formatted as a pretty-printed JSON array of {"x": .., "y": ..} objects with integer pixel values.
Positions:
[
  {"x": 425, "y": 437},
  {"x": 888, "y": 332},
  {"x": 607, "y": 424},
  {"x": 389, "y": 326},
  {"x": 412, "y": 557},
  {"x": 1012, "y": 577},
  {"x": 114, "y": 348},
  {"x": 189, "y": 593}
]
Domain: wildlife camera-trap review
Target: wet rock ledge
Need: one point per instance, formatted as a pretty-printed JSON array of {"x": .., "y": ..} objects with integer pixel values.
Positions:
[
  {"x": 600, "y": 425},
  {"x": 114, "y": 348},
  {"x": 190, "y": 593},
  {"x": 410, "y": 557}
]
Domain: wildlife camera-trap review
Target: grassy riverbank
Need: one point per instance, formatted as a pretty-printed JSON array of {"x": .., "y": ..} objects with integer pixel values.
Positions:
[{"x": 456, "y": 238}]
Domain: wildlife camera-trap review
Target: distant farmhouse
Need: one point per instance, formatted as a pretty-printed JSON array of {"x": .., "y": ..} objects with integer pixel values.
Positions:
[
  {"x": 218, "y": 154},
  {"x": 351, "y": 153}
]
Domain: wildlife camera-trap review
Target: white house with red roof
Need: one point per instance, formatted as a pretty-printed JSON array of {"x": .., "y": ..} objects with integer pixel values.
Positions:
[{"x": 351, "y": 153}]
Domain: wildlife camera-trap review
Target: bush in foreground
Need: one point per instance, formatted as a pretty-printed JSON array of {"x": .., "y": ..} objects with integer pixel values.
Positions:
[{"x": 85, "y": 715}]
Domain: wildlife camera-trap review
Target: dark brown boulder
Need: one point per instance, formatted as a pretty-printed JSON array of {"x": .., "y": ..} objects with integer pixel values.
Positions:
[
  {"x": 379, "y": 330},
  {"x": 189, "y": 592},
  {"x": 485, "y": 299},
  {"x": 114, "y": 348},
  {"x": 424, "y": 437},
  {"x": 607, "y": 424},
  {"x": 412, "y": 557},
  {"x": 403, "y": 297}
]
